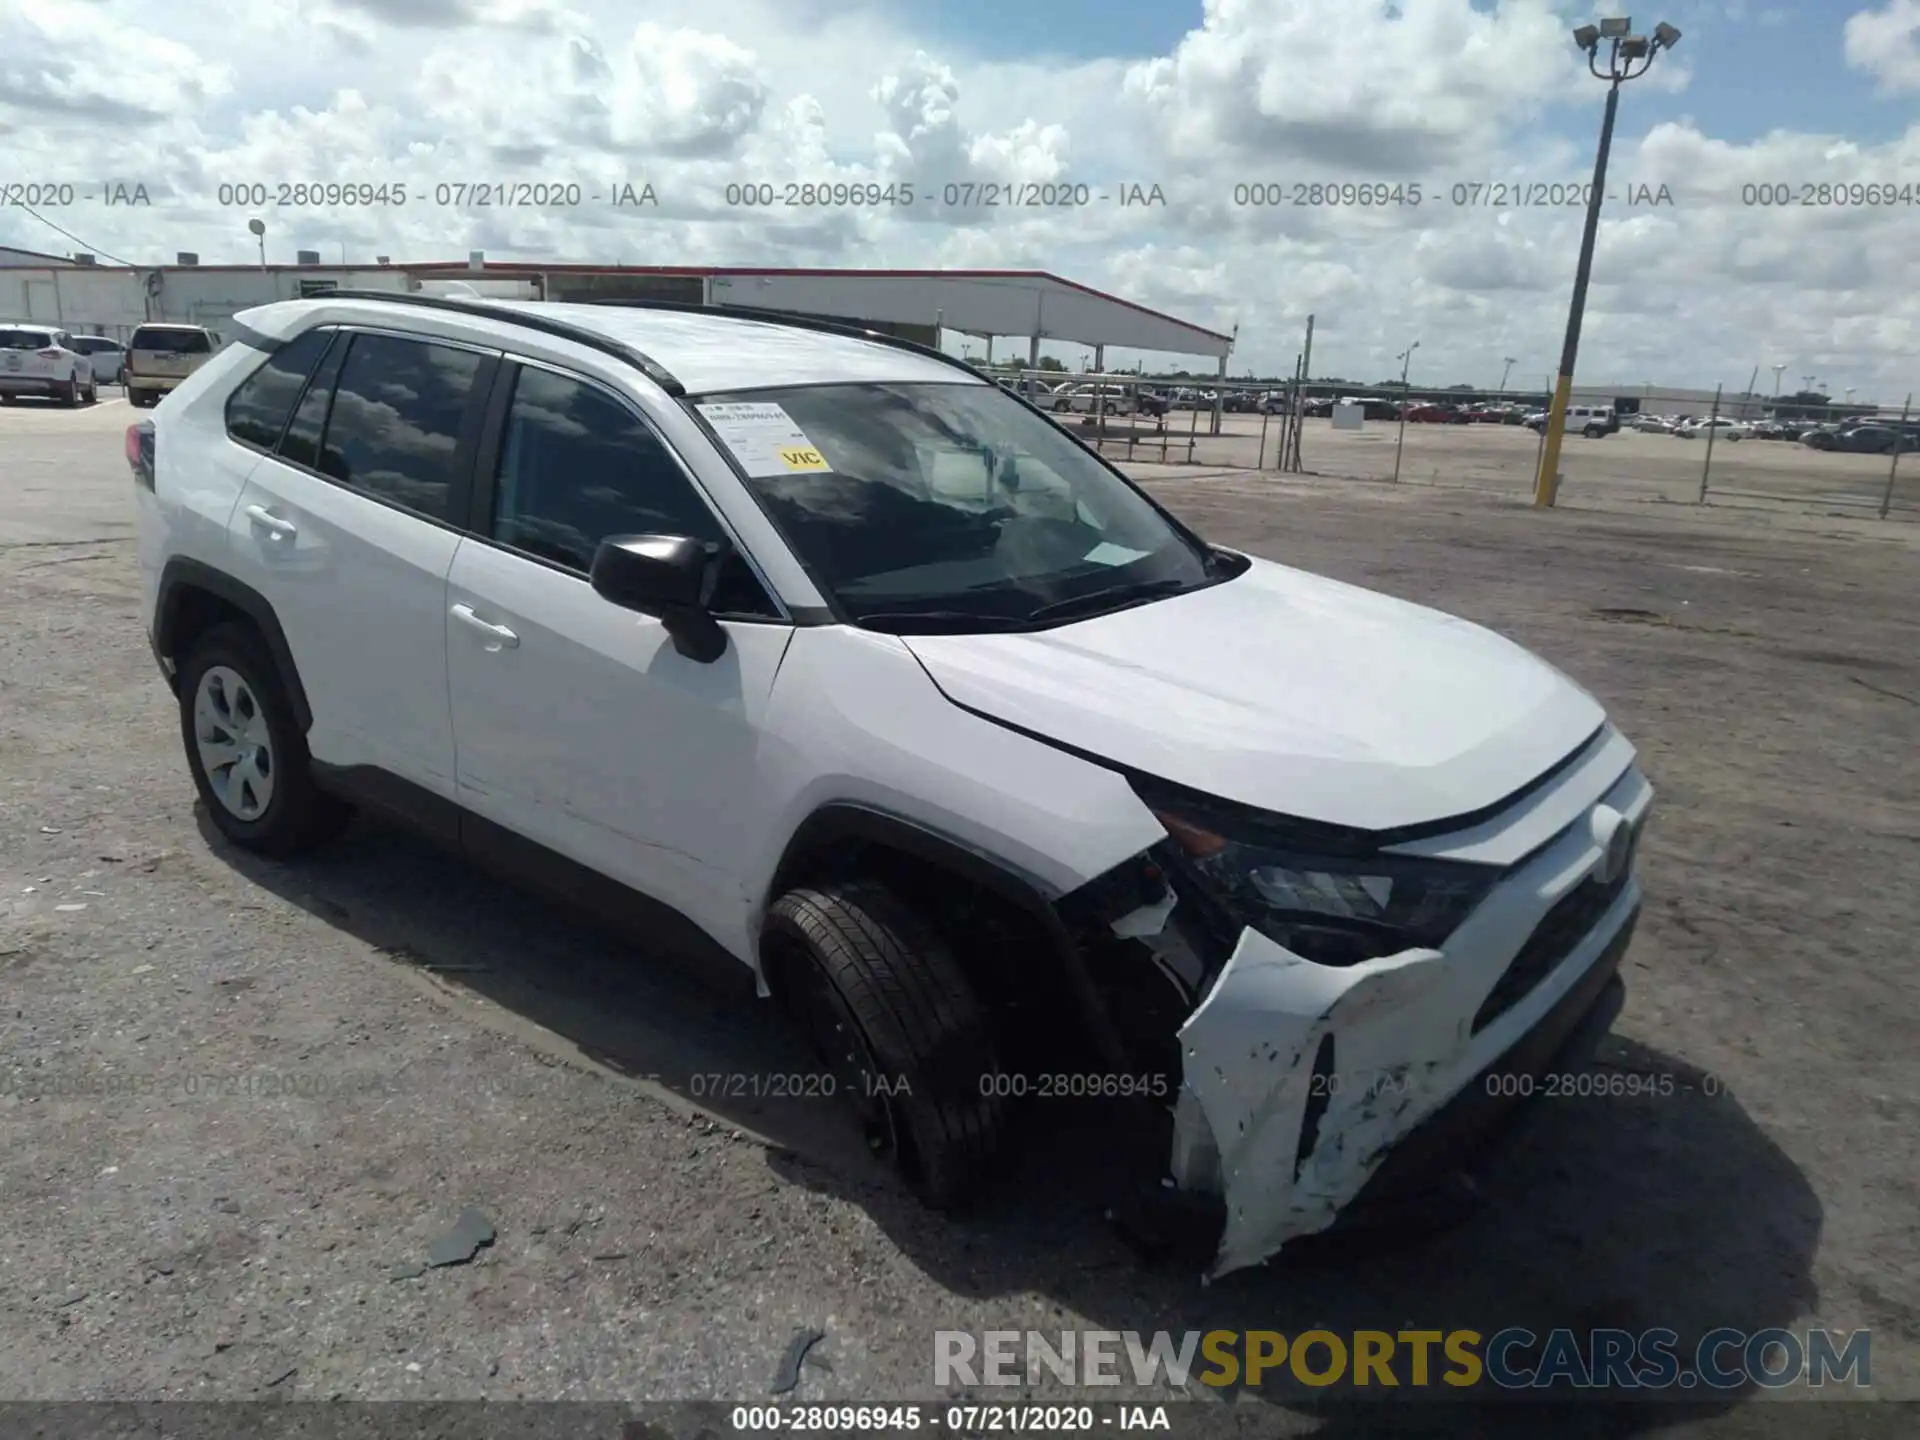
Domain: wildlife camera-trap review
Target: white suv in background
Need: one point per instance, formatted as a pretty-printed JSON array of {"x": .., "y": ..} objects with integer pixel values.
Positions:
[
  {"x": 42, "y": 360},
  {"x": 817, "y": 651}
]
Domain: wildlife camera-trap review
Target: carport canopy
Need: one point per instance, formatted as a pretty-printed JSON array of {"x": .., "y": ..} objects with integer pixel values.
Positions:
[{"x": 1031, "y": 304}]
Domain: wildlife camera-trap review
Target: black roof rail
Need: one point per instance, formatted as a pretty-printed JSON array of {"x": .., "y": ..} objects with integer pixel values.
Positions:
[
  {"x": 532, "y": 320},
  {"x": 795, "y": 322}
]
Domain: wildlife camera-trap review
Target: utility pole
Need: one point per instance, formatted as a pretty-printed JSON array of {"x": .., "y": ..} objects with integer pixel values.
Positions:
[
  {"x": 1406, "y": 363},
  {"x": 1627, "y": 48}
]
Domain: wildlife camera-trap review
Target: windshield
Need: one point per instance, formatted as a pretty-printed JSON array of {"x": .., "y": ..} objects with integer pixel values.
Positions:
[
  {"x": 948, "y": 506},
  {"x": 24, "y": 339}
]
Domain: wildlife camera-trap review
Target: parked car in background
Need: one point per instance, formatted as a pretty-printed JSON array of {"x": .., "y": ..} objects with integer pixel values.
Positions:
[
  {"x": 41, "y": 360},
  {"x": 1652, "y": 424},
  {"x": 1858, "y": 439},
  {"x": 1723, "y": 428},
  {"x": 160, "y": 357},
  {"x": 1241, "y": 402},
  {"x": 107, "y": 356},
  {"x": 1275, "y": 402},
  {"x": 1592, "y": 421},
  {"x": 1152, "y": 402},
  {"x": 1103, "y": 399}
]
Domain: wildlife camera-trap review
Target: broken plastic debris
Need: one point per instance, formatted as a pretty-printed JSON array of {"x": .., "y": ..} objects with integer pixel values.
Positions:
[
  {"x": 797, "y": 1348},
  {"x": 459, "y": 1245}
]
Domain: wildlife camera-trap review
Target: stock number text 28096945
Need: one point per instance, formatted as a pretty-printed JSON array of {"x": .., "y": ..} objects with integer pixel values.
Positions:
[{"x": 1318, "y": 194}]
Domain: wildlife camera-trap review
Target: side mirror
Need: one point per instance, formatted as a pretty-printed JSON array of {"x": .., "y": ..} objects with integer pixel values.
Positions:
[{"x": 670, "y": 577}]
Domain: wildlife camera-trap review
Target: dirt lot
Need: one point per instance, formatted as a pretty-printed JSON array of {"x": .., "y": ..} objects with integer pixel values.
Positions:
[
  {"x": 1503, "y": 459},
  {"x": 179, "y": 1225}
]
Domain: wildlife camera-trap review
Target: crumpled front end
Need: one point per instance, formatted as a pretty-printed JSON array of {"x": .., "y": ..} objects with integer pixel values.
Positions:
[{"x": 1301, "y": 1078}]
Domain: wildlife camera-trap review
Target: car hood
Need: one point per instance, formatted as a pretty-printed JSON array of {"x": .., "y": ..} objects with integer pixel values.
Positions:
[{"x": 1285, "y": 691}]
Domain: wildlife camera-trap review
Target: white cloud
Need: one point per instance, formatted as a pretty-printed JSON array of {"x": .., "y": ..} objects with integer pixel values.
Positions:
[
  {"x": 1886, "y": 44},
  {"x": 707, "y": 96},
  {"x": 1362, "y": 85}
]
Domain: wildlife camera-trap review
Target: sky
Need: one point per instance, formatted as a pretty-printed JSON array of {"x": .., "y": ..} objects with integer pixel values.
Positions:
[{"x": 1700, "y": 275}]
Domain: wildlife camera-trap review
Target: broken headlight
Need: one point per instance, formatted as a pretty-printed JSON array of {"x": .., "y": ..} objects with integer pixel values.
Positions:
[{"x": 1328, "y": 908}]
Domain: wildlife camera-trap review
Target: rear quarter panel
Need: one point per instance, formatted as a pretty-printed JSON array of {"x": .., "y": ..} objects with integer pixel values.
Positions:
[{"x": 198, "y": 472}]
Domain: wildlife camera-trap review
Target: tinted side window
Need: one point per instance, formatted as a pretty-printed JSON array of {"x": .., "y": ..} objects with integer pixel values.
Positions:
[
  {"x": 257, "y": 411},
  {"x": 397, "y": 413},
  {"x": 301, "y": 444},
  {"x": 576, "y": 465}
]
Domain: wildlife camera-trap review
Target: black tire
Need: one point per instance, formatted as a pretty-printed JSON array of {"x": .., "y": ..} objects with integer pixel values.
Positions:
[
  {"x": 91, "y": 395},
  {"x": 887, "y": 1007},
  {"x": 68, "y": 393},
  {"x": 139, "y": 399},
  {"x": 298, "y": 815},
  {"x": 1595, "y": 432}
]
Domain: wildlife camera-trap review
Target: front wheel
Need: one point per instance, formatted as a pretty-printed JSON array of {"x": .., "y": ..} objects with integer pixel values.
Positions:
[
  {"x": 898, "y": 1027},
  {"x": 246, "y": 752}
]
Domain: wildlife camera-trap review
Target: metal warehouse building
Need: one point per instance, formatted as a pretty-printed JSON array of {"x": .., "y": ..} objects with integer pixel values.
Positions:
[{"x": 1019, "y": 305}]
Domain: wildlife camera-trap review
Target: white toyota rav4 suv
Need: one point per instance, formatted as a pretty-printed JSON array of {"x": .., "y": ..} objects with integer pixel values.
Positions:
[{"x": 818, "y": 650}]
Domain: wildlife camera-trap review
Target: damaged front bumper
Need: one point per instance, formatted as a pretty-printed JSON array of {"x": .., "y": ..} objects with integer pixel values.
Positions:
[{"x": 1307, "y": 1088}]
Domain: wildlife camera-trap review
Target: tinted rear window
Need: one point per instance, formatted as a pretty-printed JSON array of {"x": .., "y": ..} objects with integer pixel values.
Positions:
[
  {"x": 398, "y": 409},
  {"x": 257, "y": 412},
  {"x": 24, "y": 339},
  {"x": 92, "y": 344},
  {"x": 181, "y": 342}
]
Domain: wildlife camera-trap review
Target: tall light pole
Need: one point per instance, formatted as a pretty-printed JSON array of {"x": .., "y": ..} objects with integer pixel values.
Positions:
[
  {"x": 259, "y": 229},
  {"x": 1405, "y": 358},
  {"x": 1504, "y": 373},
  {"x": 1627, "y": 49}
]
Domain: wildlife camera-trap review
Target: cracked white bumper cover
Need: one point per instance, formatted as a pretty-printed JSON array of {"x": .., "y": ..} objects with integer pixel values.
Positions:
[{"x": 1402, "y": 1029}]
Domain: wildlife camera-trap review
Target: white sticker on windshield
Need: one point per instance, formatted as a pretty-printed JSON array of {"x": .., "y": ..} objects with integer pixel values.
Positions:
[
  {"x": 763, "y": 438},
  {"x": 1107, "y": 553}
]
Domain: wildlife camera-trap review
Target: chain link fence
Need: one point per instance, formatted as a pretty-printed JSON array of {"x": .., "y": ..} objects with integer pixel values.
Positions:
[{"x": 1844, "y": 456}]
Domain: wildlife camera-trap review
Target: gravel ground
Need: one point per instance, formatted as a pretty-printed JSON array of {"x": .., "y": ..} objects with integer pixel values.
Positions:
[{"x": 242, "y": 1100}]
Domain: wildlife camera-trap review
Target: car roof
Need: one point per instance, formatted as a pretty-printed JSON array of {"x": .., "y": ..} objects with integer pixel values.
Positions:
[{"x": 705, "y": 351}]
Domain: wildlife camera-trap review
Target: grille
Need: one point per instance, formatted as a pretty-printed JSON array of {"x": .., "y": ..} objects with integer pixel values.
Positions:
[{"x": 1559, "y": 930}]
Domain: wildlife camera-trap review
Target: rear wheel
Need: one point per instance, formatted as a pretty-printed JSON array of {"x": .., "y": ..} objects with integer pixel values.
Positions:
[
  {"x": 886, "y": 1006},
  {"x": 248, "y": 757},
  {"x": 91, "y": 395},
  {"x": 67, "y": 392}
]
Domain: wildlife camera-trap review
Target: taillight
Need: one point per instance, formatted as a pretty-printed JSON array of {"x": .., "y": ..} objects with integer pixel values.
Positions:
[
  {"x": 139, "y": 451},
  {"x": 52, "y": 354}
]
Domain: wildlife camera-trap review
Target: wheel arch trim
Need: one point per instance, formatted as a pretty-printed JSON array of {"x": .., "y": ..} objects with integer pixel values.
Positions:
[
  {"x": 180, "y": 578},
  {"x": 838, "y": 821}
]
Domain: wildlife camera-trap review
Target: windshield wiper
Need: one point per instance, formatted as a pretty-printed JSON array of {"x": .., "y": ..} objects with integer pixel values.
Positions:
[
  {"x": 938, "y": 622},
  {"x": 1113, "y": 597}
]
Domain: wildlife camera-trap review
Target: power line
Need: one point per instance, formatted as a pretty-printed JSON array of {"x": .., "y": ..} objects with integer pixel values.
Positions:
[{"x": 75, "y": 238}]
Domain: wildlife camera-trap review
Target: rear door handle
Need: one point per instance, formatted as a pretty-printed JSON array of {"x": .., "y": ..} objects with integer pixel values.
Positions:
[
  {"x": 271, "y": 523},
  {"x": 500, "y": 635}
]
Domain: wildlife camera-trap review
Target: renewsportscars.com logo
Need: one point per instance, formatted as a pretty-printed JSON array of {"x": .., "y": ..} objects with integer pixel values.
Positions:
[{"x": 1510, "y": 1359}]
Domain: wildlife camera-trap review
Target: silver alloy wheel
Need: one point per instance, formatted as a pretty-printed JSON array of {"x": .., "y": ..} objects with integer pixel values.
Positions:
[{"x": 236, "y": 749}]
